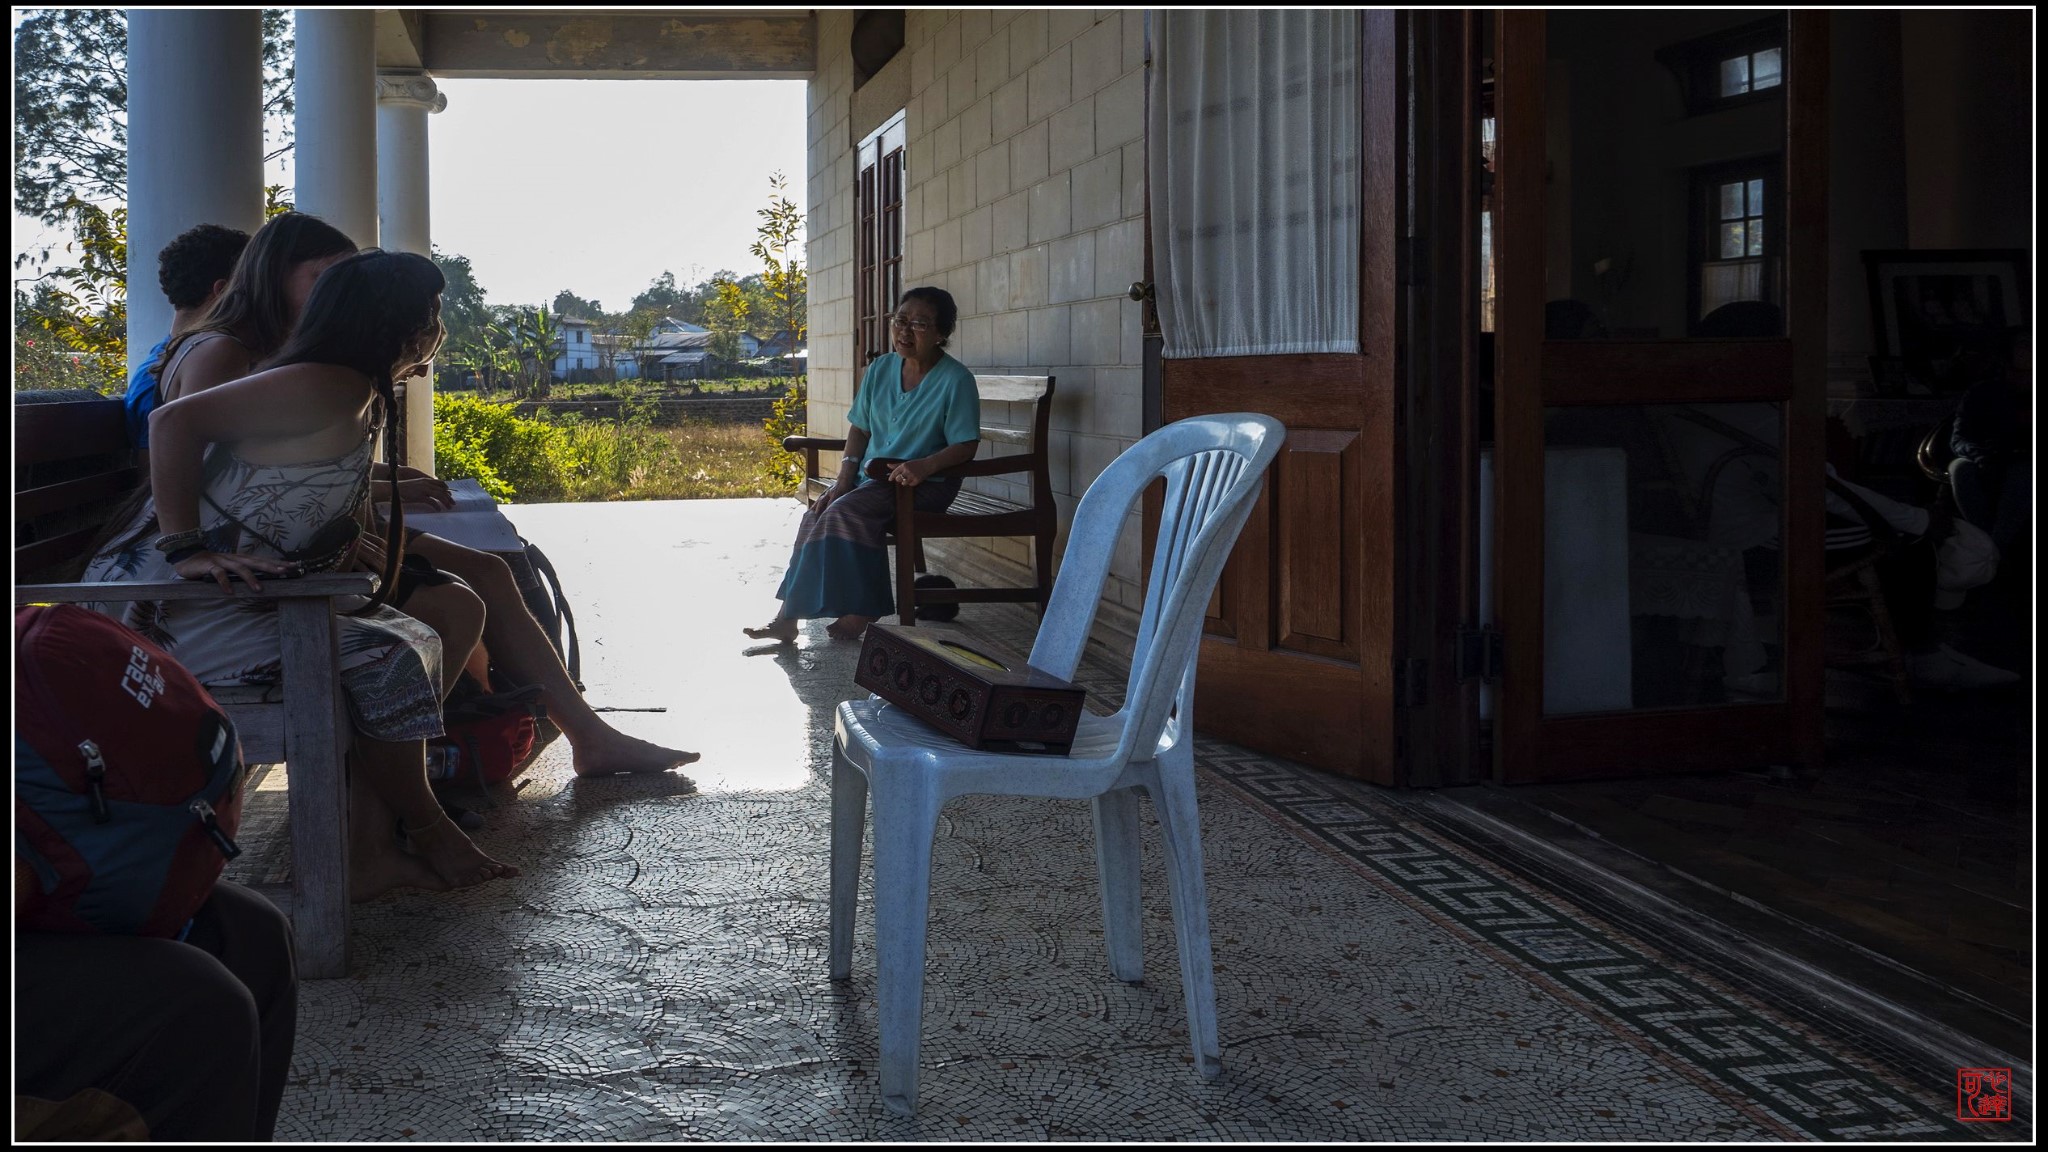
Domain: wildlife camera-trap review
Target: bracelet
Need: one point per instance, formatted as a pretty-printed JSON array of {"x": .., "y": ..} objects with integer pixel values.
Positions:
[
  {"x": 180, "y": 555},
  {"x": 172, "y": 541}
]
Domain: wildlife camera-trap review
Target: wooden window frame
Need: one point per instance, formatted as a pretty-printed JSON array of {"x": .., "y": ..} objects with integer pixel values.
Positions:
[
  {"x": 1702, "y": 235},
  {"x": 1697, "y": 64},
  {"x": 878, "y": 189}
]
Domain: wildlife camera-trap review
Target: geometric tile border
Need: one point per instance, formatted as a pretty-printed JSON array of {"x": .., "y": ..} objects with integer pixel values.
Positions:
[{"x": 1804, "y": 1085}]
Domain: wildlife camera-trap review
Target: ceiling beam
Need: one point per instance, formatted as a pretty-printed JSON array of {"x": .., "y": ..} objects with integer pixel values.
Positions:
[
  {"x": 574, "y": 44},
  {"x": 401, "y": 40}
]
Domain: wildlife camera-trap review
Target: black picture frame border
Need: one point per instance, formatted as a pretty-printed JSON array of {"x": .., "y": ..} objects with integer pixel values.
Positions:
[{"x": 1880, "y": 263}]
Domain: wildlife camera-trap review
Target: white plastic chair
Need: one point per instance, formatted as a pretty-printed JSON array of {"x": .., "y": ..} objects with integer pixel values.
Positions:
[{"x": 1213, "y": 466}]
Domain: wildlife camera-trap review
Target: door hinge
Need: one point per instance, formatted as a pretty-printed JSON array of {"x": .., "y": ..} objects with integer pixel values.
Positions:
[
  {"x": 1482, "y": 653},
  {"x": 1411, "y": 683}
]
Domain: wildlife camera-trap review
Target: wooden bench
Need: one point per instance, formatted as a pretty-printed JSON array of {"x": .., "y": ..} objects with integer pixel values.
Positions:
[
  {"x": 73, "y": 469},
  {"x": 972, "y": 514}
]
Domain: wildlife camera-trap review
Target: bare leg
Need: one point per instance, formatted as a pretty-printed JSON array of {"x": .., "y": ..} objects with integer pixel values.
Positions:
[
  {"x": 516, "y": 641},
  {"x": 397, "y": 773},
  {"x": 458, "y": 615},
  {"x": 376, "y": 863}
]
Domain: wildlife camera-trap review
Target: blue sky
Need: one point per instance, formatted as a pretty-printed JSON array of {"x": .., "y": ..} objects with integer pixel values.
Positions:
[{"x": 599, "y": 186}]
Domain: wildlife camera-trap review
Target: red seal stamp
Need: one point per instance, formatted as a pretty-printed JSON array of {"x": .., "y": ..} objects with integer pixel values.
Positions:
[{"x": 1983, "y": 1094}]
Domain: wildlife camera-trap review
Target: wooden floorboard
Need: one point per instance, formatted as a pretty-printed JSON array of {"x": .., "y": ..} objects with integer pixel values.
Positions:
[{"x": 1913, "y": 842}]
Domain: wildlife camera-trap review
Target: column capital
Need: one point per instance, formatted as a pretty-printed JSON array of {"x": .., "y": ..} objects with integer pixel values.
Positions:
[{"x": 410, "y": 89}]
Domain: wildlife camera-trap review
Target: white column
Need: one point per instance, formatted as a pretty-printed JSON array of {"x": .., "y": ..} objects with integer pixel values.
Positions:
[
  {"x": 404, "y": 100},
  {"x": 195, "y": 142},
  {"x": 335, "y": 119}
]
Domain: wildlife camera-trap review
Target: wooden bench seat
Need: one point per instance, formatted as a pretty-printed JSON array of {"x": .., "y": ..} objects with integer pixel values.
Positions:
[
  {"x": 973, "y": 514},
  {"x": 73, "y": 469}
]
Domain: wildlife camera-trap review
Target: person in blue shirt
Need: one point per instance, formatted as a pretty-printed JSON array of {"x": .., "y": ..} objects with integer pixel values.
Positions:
[
  {"x": 193, "y": 271},
  {"x": 917, "y": 407}
]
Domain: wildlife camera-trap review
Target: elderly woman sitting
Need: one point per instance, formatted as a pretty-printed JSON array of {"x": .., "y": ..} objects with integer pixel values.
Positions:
[{"x": 916, "y": 407}]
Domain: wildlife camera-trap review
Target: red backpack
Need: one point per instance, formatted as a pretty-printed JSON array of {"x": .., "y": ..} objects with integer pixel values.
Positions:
[{"x": 127, "y": 778}]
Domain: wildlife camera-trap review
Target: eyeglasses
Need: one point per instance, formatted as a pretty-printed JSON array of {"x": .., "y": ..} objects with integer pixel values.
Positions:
[{"x": 912, "y": 325}]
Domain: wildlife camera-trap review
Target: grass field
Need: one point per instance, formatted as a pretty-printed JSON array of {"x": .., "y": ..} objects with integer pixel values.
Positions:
[
  {"x": 659, "y": 390},
  {"x": 692, "y": 461}
]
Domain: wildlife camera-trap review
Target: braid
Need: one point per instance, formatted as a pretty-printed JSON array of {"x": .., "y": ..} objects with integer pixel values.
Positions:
[{"x": 394, "y": 535}]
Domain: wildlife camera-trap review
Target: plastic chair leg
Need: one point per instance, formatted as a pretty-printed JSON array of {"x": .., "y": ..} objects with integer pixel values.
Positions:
[
  {"x": 906, "y": 816},
  {"x": 849, "y": 828},
  {"x": 1183, "y": 835},
  {"x": 1117, "y": 860}
]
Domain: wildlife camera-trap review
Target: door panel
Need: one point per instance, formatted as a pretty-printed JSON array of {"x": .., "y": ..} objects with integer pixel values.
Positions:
[
  {"x": 1659, "y": 334},
  {"x": 1317, "y": 478},
  {"x": 1297, "y": 656}
]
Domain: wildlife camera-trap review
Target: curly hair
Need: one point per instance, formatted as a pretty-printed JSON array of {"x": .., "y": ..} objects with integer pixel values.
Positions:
[
  {"x": 253, "y": 308},
  {"x": 202, "y": 256}
]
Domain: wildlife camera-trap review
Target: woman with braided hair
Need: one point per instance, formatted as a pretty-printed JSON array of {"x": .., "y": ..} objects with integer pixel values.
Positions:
[{"x": 268, "y": 476}]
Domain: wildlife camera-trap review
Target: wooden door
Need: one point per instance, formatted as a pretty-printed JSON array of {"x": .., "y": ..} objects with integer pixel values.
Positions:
[
  {"x": 1661, "y": 231},
  {"x": 1297, "y": 657}
]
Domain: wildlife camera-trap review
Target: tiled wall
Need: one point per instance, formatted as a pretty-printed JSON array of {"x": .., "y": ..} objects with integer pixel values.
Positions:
[{"x": 1024, "y": 198}]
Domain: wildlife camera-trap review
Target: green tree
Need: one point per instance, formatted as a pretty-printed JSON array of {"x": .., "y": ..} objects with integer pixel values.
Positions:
[
  {"x": 784, "y": 285},
  {"x": 462, "y": 304},
  {"x": 539, "y": 340},
  {"x": 568, "y": 303},
  {"x": 662, "y": 296},
  {"x": 84, "y": 309},
  {"x": 71, "y": 105},
  {"x": 727, "y": 316},
  {"x": 622, "y": 334}
]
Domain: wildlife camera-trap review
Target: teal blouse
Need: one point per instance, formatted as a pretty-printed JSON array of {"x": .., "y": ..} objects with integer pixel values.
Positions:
[{"x": 943, "y": 409}]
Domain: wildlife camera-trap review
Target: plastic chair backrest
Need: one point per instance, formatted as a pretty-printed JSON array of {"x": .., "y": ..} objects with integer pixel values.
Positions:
[{"x": 1213, "y": 466}]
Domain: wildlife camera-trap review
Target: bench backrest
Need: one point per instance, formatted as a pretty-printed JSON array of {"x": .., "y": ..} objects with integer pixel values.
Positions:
[
  {"x": 1036, "y": 390},
  {"x": 1033, "y": 390},
  {"x": 73, "y": 468}
]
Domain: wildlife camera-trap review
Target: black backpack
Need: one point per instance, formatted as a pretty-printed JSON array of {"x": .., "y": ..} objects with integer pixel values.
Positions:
[{"x": 541, "y": 588}]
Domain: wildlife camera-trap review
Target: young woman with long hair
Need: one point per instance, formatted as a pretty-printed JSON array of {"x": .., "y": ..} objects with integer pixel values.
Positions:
[
  {"x": 464, "y": 595},
  {"x": 283, "y": 490}
]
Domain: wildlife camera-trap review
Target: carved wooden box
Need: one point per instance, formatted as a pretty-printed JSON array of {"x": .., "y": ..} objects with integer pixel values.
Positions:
[{"x": 977, "y": 692}]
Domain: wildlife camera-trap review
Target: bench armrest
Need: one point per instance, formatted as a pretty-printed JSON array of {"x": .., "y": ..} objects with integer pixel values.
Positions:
[
  {"x": 993, "y": 466},
  {"x": 810, "y": 446},
  {"x": 320, "y": 585},
  {"x": 811, "y": 443}
]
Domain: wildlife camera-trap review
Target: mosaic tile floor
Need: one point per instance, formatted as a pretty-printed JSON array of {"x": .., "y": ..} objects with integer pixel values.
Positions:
[{"x": 658, "y": 972}]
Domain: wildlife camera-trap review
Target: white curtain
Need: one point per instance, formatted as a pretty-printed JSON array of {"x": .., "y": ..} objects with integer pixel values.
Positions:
[{"x": 1255, "y": 178}]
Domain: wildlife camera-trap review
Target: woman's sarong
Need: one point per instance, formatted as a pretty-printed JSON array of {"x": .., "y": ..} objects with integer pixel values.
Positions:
[{"x": 840, "y": 566}]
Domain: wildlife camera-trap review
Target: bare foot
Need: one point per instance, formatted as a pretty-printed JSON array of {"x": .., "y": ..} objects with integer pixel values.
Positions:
[
  {"x": 776, "y": 629},
  {"x": 375, "y": 870},
  {"x": 454, "y": 857},
  {"x": 848, "y": 627},
  {"x": 615, "y": 752}
]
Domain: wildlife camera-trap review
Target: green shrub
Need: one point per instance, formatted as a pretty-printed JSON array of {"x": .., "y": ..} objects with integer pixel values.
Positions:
[
  {"x": 510, "y": 456},
  {"x": 608, "y": 458},
  {"x": 786, "y": 469}
]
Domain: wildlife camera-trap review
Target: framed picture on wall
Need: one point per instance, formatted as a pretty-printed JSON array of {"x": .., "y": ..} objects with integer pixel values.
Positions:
[{"x": 1934, "y": 308}]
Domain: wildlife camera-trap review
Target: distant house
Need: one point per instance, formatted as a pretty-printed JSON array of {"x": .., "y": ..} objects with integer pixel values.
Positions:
[
  {"x": 677, "y": 355},
  {"x": 577, "y": 350},
  {"x": 783, "y": 343}
]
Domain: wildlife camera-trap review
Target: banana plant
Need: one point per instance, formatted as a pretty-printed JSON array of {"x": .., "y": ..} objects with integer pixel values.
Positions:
[{"x": 539, "y": 338}]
